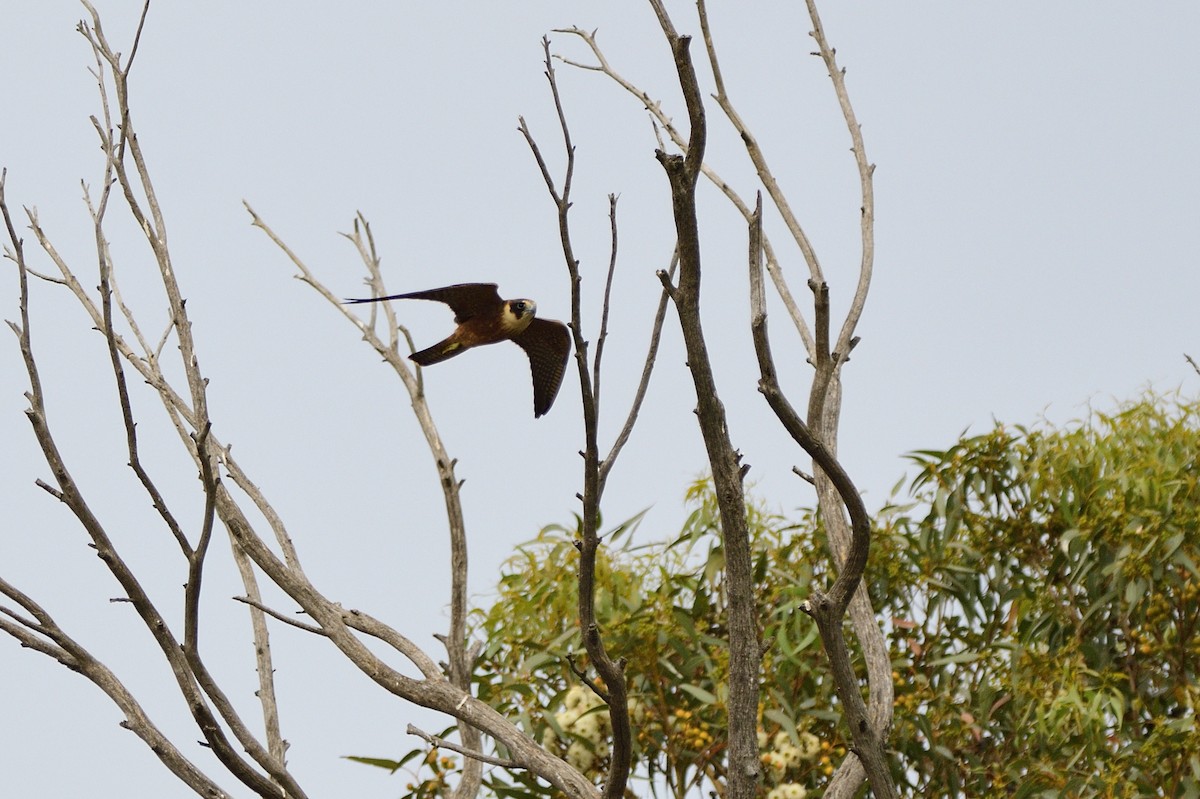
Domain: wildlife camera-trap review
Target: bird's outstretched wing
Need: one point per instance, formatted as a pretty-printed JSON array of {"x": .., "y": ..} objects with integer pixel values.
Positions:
[
  {"x": 465, "y": 299},
  {"x": 548, "y": 345}
]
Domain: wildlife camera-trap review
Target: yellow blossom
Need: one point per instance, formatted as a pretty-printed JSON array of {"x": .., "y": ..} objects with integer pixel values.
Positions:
[{"x": 774, "y": 762}]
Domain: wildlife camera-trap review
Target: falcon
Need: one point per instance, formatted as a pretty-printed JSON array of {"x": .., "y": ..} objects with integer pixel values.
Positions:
[{"x": 484, "y": 318}]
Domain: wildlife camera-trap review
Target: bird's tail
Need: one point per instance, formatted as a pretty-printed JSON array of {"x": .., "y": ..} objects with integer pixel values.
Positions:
[{"x": 443, "y": 350}]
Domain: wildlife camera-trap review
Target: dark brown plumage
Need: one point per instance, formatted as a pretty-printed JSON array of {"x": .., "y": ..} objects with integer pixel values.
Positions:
[{"x": 484, "y": 318}]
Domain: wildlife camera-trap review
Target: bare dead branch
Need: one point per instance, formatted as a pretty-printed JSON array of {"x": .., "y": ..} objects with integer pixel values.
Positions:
[
  {"x": 37, "y": 633},
  {"x": 757, "y": 157},
  {"x": 41, "y": 276},
  {"x": 824, "y": 412},
  {"x": 97, "y": 213},
  {"x": 79, "y": 659},
  {"x": 263, "y": 659},
  {"x": 827, "y": 609},
  {"x": 803, "y": 475},
  {"x": 184, "y": 420},
  {"x": 440, "y": 695},
  {"x": 30, "y": 641},
  {"x": 272, "y": 758},
  {"x": 854, "y": 565},
  {"x": 745, "y": 659},
  {"x": 866, "y": 170},
  {"x": 68, "y": 492},
  {"x": 456, "y": 641},
  {"x": 662, "y": 122},
  {"x": 365, "y": 623},
  {"x": 47, "y": 637},
  {"x": 51, "y": 490},
  {"x": 610, "y": 671}
]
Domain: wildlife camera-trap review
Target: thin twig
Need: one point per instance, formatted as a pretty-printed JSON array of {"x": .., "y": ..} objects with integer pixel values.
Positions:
[
  {"x": 803, "y": 475},
  {"x": 757, "y": 157},
  {"x": 643, "y": 384},
  {"x": 866, "y": 171},
  {"x": 608, "y": 282},
  {"x": 587, "y": 681},
  {"x": 442, "y": 743},
  {"x": 280, "y": 616}
]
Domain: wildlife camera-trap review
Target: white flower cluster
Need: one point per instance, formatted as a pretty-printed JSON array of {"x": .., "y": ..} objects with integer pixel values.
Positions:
[
  {"x": 789, "y": 790},
  {"x": 638, "y": 713},
  {"x": 581, "y": 718},
  {"x": 779, "y": 754}
]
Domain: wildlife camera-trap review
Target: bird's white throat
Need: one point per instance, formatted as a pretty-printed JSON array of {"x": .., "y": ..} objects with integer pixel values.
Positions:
[{"x": 512, "y": 323}]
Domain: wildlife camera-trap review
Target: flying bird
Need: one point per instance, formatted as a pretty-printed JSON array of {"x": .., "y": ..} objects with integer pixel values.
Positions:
[{"x": 484, "y": 318}]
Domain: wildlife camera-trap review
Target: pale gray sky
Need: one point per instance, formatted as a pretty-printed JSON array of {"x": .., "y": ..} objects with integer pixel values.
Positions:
[{"x": 1037, "y": 217}]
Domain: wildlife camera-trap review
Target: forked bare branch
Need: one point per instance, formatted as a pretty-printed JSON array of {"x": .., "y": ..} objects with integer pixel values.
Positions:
[
  {"x": 663, "y": 122},
  {"x": 389, "y": 349},
  {"x": 612, "y": 672},
  {"x": 827, "y": 609},
  {"x": 42, "y": 634},
  {"x": 757, "y": 157},
  {"x": 69, "y": 493}
]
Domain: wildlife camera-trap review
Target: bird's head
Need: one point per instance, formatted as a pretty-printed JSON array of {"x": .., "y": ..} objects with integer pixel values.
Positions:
[
  {"x": 522, "y": 308},
  {"x": 518, "y": 314}
]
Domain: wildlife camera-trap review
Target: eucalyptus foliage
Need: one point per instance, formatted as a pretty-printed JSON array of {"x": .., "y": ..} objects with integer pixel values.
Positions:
[
  {"x": 1041, "y": 590},
  {"x": 1047, "y": 604}
]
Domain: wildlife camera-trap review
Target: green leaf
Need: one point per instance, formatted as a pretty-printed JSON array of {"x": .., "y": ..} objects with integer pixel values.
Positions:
[
  {"x": 782, "y": 719},
  {"x": 961, "y": 657},
  {"x": 698, "y": 692},
  {"x": 384, "y": 763}
]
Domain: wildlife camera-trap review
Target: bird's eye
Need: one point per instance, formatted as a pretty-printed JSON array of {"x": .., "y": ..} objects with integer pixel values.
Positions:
[{"x": 521, "y": 306}]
